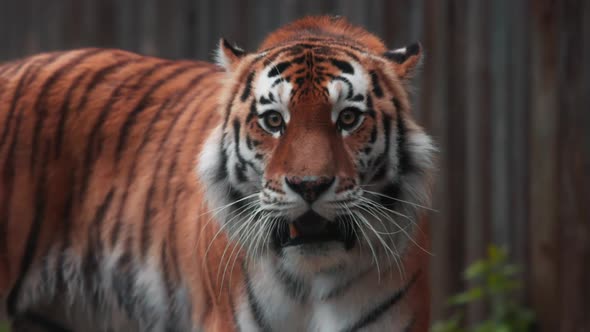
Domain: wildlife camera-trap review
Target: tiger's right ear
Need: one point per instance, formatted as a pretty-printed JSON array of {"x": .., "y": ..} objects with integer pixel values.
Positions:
[
  {"x": 228, "y": 55},
  {"x": 405, "y": 59}
]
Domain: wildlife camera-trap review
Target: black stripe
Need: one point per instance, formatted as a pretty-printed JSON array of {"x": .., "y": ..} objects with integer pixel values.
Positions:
[
  {"x": 42, "y": 63},
  {"x": 279, "y": 80},
  {"x": 387, "y": 132},
  {"x": 344, "y": 66},
  {"x": 116, "y": 232},
  {"x": 240, "y": 171},
  {"x": 403, "y": 155},
  {"x": 253, "y": 112},
  {"x": 377, "y": 90},
  {"x": 98, "y": 125},
  {"x": 382, "y": 158},
  {"x": 309, "y": 43},
  {"x": 26, "y": 79},
  {"x": 173, "y": 223},
  {"x": 390, "y": 193},
  {"x": 90, "y": 158},
  {"x": 294, "y": 287},
  {"x": 66, "y": 218},
  {"x": 91, "y": 143},
  {"x": 165, "y": 268},
  {"x": 98, "y": 77},
  {"x": 358, "y": 97},
  {"x": 91, "y": 262},
  {"x": 279, "y": 68},
  {"x": 40, "y": 105},
  {"x": 243, "y": 162},
  {"x": 249, "y": 143},
  {"x": 264, "y": 101},
  {"x": 338, "y": 291},
  {"x": 247, "y": 87},
  {"x": 373, "y": 137},
  {"x": 147, "y": 134},
  {"x": 380, "y": 174},
  {"x": 9, "y": 174},
  {"x": 376, "y": 313},
  {"x": 173, "y": 247},
  {"x": 124, "y": 281},
  {"x": 9, "y": 162},
  {"x": 397, "y": 104},
  {"x": 347, "y": 82},
  {"x": 370, "y": 103},
  {"x": 32, "y": 238},
  {"x": 141, "y": 106},
  {"x": 148, "y": 210},
  {"x": 65, "y": 111},
  {"x": 47, "y": 324},
  {"x": 172, "y": 168},
  {"x": 15, "y": 99},
  {"x": 221, "y": 175},
  {"x": 255, "y": 307},
  {"x": 229, "y": 106},
  {"x": 180, "y": 96}
]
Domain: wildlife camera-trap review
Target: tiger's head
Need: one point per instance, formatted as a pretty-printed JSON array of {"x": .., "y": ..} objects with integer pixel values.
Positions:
[{"x": 318, "y": 162}]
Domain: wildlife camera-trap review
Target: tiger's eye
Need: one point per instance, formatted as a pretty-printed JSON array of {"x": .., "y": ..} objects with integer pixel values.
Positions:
[
  {"x": 273, "y": 120},
  {"x": 348, "y": 118}
]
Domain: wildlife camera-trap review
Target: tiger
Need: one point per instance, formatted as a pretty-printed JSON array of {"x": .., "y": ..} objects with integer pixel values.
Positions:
[{"x": 285, "y": 189}]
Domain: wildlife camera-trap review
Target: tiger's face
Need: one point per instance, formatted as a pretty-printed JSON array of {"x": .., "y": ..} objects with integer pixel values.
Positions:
[{"x": 318, "y": 162}]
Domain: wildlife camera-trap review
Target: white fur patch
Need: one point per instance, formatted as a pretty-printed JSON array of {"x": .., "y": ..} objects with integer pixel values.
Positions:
[
  {"x": 221, "y": 59},
  {"x": 93, "y": 303}
]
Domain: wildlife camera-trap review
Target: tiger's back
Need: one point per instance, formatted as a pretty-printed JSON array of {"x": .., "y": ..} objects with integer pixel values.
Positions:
[{"x": 95, "y": 169}]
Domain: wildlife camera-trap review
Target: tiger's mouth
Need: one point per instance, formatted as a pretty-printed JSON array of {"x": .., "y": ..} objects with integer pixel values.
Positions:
[{"x": 311, "y": 228}]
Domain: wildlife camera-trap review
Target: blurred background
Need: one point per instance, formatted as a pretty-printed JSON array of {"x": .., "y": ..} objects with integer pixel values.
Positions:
[{"x": 504, "y": 90}]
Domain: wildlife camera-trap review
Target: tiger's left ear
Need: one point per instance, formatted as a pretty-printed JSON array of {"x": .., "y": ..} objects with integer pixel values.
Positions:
[
  {"x": 405, "y": 59},
  {"x": 228, "y": 55}
]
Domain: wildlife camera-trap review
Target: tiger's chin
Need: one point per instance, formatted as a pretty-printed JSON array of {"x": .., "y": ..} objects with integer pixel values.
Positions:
[{"x": 309, "y": 260}]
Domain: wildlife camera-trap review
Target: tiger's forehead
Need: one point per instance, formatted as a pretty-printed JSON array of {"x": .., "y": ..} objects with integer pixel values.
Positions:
[{"x": 318, "y": 74}]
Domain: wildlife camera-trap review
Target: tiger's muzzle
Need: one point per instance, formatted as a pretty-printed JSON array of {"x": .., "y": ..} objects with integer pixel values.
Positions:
[{"x": 311, "y": 228}]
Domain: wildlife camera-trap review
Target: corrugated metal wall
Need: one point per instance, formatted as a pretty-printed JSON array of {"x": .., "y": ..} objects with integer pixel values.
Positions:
[{"x": 505, "y": 91}]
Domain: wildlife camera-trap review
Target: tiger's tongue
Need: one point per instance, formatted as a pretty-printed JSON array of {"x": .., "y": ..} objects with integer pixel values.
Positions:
[
  {"x": 310, "y": 224},
  {"x": 293, "y": 232}
]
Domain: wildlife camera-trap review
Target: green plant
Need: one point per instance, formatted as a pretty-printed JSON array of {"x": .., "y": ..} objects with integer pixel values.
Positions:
[
  {"x": 494, "y": 282},
  {"x": 3, "y": 327}
]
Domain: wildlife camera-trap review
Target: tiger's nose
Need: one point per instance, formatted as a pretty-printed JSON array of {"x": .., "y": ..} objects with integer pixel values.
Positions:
[{"x": 309, "y": 187}]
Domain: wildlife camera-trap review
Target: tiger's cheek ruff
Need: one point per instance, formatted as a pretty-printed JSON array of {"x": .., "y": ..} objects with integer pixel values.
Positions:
[{"x": 228, "y": 171}]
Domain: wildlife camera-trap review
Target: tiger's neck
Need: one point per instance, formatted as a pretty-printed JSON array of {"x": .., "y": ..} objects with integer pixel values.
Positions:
[
  {"x": 265, "y": 296},
  {"x": 325, "y": 302}
]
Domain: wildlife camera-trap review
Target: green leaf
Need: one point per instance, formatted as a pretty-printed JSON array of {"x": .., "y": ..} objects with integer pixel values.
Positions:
[
  {"x": 453, "y": 324},
  {"x": 510, "y": 270},
  {"x": 496, "y": 282},
  {"x": 476, "y": 270},
  {"x": 496, "y": 254},
  {"x": 471, "y": 295}
]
